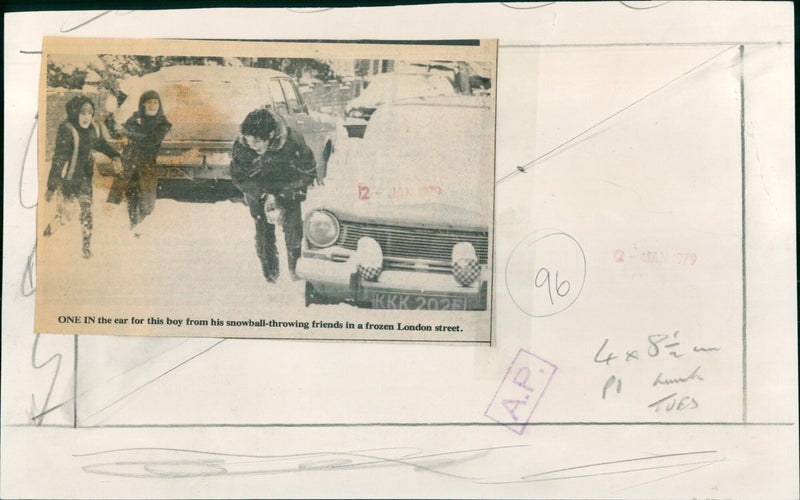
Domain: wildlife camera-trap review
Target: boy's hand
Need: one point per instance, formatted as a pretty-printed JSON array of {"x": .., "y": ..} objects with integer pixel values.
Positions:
[{"x": 121, "y": 131}]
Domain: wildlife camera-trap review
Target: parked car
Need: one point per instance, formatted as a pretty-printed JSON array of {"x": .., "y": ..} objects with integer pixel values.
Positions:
[
  {"x": 206, "y": 105},
  {"x": 475, "y": 77},
  {"x": 406, "y": 225},
  {"x": 391, "y": 87}
]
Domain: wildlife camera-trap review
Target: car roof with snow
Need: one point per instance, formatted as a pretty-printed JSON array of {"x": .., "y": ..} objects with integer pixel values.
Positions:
[
  {"x": 203, "y": 102},
  {"x": 195, "y": 73},
  {"x": 405, "y": 73},
  {"x": 389, "y": 87},
  {"x": 444, "y": 101}
]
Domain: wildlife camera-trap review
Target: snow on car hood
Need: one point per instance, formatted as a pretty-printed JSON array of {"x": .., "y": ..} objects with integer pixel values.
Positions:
[{"x": 418, "y": 163}]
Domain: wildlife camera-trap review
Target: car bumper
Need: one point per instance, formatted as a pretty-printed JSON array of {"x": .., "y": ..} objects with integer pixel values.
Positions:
[
  {"x": 394, "y": 289},
  {"x": 206, "y": 171}
]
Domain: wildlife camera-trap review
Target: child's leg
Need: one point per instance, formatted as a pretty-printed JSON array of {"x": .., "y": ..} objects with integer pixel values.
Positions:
[
  {"x": 148, "y": 182},
  {"x": 293, "y": 232},
  {"x": 54, "y": 214},
  {"x": 64, "y": 207},
  {"x": 133, "y": 194},
  {"x": 265, "y": 237},
  {"x": 85, "y": 202}
]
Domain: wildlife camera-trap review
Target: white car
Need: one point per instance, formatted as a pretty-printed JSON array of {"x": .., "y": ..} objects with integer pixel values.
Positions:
[
  {"x": 390, "y": 87},
  {"x": 406, "y": 225}
]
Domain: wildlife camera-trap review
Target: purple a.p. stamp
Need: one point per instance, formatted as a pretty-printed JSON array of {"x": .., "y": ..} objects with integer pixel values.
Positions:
[{"x": 521, "y": 390}]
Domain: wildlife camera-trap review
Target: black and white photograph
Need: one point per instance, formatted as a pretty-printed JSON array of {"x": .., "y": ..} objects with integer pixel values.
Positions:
[{"x": 253, "y": 189}]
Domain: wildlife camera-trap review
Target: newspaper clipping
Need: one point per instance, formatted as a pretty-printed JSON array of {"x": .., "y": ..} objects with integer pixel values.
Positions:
[{"x": 329, "y": 190}]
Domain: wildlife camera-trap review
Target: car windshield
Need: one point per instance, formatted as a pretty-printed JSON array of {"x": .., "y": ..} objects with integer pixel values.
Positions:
[
  {"x": 198, "y": 109},
  {"x": 393, "y": 87}
]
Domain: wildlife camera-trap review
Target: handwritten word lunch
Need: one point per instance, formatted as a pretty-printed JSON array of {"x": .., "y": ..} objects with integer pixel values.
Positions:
[{"x": 261, "y": 323}]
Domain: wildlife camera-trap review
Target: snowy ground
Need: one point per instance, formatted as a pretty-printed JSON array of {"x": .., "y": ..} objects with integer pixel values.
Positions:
[{"x": 184, "y": 256}]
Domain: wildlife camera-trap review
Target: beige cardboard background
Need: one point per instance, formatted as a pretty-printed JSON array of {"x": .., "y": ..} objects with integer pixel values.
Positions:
[{"x": 306, "y": 416}]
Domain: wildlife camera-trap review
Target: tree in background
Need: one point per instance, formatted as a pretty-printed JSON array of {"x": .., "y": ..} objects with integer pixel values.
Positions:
[
  {"x": 103, "y": 72},
  {"x": 363, "y": 67}
]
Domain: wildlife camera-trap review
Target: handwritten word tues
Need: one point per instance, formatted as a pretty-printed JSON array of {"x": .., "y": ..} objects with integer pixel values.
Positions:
[{"x": 520, "y": 391}]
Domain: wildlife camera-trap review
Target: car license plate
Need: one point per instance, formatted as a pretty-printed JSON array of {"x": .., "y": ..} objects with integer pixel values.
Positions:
[{"x": 394, "y": 300}]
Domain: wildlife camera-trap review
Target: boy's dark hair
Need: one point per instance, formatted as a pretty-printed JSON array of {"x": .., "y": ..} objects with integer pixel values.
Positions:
[{"x": 259, "y": 123}]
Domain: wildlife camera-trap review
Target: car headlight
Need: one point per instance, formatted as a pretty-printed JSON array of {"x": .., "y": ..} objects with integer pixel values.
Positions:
[
  {"x": 356, "y": 113},
  {"x": 465, "y": 264},
  {"x": 321, "y": 228}
]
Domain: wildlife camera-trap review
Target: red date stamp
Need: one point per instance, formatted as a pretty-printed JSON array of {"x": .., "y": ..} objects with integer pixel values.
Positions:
[
  {"x": 398, "y": 192},
  {"x": 655, "y": 257}
]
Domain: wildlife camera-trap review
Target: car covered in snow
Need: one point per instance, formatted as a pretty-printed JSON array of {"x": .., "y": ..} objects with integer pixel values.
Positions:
[
  {"x": 467, "y": 77},
  {"x": 406, "y": 225},
  {"x": 391, "y": 87},
  {"x": 206, "y": 105}
]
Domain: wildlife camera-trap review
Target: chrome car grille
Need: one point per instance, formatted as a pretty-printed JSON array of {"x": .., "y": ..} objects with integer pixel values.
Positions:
[{"x": 413, "y": 243}]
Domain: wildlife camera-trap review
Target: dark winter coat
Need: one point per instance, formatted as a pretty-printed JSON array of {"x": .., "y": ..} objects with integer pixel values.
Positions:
[
  {"x": 286, "y": 172},
  {"x": 145, "y": 133},
  {"x": 63, "y": 174}
]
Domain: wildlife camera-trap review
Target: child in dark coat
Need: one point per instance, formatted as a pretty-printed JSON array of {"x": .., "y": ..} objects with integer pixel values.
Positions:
[
  {"x": 72, "y": 168},
  {"x": 145, "y": 129},
  {"x": 271, "y": 163}
]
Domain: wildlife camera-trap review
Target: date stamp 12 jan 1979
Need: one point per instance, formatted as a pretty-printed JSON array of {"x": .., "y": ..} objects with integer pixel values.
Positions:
[{"x": 520, "y": 391}]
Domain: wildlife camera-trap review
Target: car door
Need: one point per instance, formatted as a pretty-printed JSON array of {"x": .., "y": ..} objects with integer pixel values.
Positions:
[
  {"x": 279, "y": 104},
  {"x": 306, "y": 124},
  {"x": 287, "y": 103},
  {"x": 297, "y": 116}
]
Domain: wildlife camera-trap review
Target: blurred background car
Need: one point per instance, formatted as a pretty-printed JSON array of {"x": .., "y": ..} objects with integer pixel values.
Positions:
[
  {"x": 391, "y": 87},
  {"x": 467, "y": 77}
]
